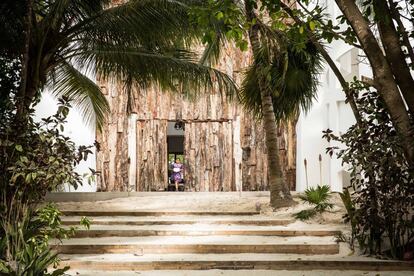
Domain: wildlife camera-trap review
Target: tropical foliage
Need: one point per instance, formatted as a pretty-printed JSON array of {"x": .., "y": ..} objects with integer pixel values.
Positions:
[
  {"x": 34, "y": 162},
  {"x": 380, "y": 206},
  {"x": 30, "y": 245},
  {"x": 318, "y": 198},
  {"x": 140, "y": 42}
]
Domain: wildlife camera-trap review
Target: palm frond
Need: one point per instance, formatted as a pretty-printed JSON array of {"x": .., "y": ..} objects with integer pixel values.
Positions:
[
  {"x": 212, "y": 50},
  {"x": 216, "y": 29},
  {"x": 140, "y": 42},
  {"x": 85, "y": 94},
  {"x": 305, "y": 214},
  {"x": 294, "y": 81},
  {"x": 174, "y": 70},
  {"x": 145, "y": 23},
  {"x": 318, "y": 196}
]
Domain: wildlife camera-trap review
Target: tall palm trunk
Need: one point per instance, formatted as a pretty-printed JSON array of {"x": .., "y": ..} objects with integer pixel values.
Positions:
[{"x": 279, "y": 191}]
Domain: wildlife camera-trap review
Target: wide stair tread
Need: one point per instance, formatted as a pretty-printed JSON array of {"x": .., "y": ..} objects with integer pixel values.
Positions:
[
  {"x": 195, "y": 240},
  {"x": 142, "y": 213},
  {"x": 180, "y": 219},
  {"x": 125, "y": 262},
  {"x": 200, "y": 229}
]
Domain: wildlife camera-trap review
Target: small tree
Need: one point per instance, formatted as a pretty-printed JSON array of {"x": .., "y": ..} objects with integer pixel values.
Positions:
[
  {"x": 380, "y": 209},
  {"x": 34, "y": 162}
]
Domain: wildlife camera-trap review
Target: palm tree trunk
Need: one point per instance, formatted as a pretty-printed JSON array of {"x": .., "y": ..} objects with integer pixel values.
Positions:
[{"x": 279, "y": 191}]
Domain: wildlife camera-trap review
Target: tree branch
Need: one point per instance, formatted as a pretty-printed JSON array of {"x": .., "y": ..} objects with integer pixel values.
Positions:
[
  {"x": 335, "y": 34},
  {"x": 396, "y": 15}
]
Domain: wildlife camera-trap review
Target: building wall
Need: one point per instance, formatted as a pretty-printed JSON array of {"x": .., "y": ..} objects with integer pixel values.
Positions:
[
  {"x": 224, "y": 146},
  {"x": 329, "y": 111}
]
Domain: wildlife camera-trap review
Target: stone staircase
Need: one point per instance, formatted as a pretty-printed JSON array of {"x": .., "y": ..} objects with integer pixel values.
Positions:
[{"x": 189, "y": 241}]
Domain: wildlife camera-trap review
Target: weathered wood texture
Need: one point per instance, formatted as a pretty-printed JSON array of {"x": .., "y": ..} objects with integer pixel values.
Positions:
[
  {"x": 112, "y": 161},
  {"x": 224, "y": 145}
]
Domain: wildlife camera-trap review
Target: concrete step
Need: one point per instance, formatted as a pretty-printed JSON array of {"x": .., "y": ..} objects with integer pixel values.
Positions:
[
  {"x": 91, "y": 213},
  {"x": 200, "y": 244},
  {"x": 242, "y": 272},
  {"x": 197, "y": 230},
  {"x": 129, "y": 262},
  {"x": 180, "y": 219}
]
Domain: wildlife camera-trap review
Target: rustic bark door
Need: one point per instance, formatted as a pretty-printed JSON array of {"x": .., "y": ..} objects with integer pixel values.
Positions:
[
  {"x": 152, "y": 155},
  {"x": 209, "y": 156}
]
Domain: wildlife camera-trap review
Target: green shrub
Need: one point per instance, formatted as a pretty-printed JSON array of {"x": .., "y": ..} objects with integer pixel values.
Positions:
[
  {"x": 380, "y": 209},
  {"x": 34, "y": 159}
]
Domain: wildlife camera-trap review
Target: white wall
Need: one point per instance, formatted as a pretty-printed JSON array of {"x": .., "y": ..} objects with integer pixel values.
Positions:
[
  {"x": 329, "y": 111},
  {"x": 77, "y": 130}
]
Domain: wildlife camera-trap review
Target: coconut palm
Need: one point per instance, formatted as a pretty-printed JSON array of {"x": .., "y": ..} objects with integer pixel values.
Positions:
[
  {"x": 138, "y": 41},
  {"x": 281, "y": 81}
]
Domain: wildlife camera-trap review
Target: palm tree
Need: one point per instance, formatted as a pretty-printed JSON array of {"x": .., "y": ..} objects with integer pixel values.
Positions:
[
  {"x": 281, "y": 81},
  {"x": 142, "y": 41}
]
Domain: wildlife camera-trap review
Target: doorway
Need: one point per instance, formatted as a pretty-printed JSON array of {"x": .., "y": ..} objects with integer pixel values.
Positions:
[{"x": 175, "y": 150}]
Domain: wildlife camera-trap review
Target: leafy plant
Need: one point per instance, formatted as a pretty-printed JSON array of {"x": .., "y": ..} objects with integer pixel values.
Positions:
[
  {"x": 319, "y": 198},
  {"x": 33, "y": 262},
  {"x": 34, "y": 256},
  {"x": 380, "y": 206},
  {"x": 33, "y": 162},
  {"x": 305, "y": 214}
]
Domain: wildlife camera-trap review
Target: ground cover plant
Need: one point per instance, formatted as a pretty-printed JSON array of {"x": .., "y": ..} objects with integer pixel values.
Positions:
[{"x": 318, "y": 198}]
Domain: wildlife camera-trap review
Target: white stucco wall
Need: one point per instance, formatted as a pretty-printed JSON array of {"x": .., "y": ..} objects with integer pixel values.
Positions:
[{"x": 329, "y": 111}]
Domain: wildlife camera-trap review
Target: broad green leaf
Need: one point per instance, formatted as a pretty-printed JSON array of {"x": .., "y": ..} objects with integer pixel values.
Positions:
[{"x": 312, "y": 25}]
